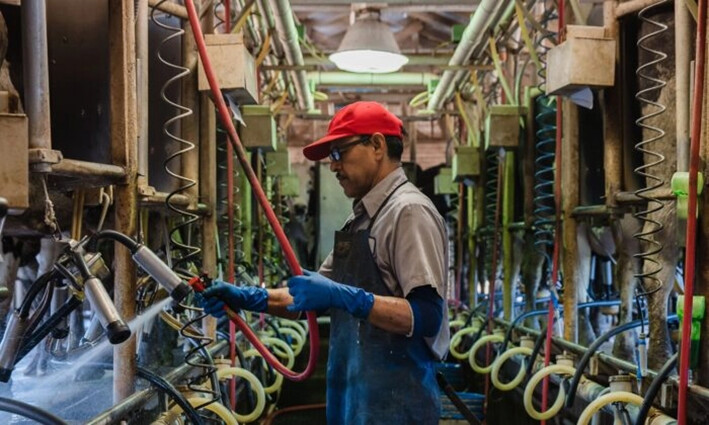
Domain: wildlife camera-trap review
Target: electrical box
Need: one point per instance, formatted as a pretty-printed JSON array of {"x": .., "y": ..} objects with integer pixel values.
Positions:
[
  {"x": 259, "y": 129},
  {"x": 278, "y": 163},
  {"x": 443, "y": 183},
  {"x": 289, "y": 185},
  {"x": 465, "y": 163},
  {"x": 502, "y": 126},
  {"x": 14, "y": 162},
  {"x": 233, "y": 65},
  {"x": 585, "y": 59}
]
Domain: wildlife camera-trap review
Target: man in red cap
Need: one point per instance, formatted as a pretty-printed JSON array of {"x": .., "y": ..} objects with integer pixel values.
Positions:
[{"x": 384, "y": 283}]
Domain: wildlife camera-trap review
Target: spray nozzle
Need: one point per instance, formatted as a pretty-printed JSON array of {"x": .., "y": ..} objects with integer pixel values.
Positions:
[{"x": 150, "y": 263}]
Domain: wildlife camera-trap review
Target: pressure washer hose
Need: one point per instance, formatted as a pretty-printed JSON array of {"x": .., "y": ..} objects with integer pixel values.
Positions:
[
  {"x": 258, "y": 192},
  {"x": 28, "y": 411}
]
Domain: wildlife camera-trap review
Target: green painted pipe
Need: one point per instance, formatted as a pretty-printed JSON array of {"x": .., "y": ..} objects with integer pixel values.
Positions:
[{"x": 335, "y": 78}]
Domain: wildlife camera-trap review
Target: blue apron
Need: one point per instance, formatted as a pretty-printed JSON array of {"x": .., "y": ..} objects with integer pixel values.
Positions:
[{"x": 373, "y": 376}]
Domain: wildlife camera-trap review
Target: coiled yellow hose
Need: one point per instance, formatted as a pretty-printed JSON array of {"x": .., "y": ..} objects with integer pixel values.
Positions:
[
  {"x": 497, "y": 366},
  {"x": 217, "y": 408},
  {"x": 600, "y": 402},
  {"x": 455, "y": 341},
  {"x": 256, "y": 387},
  {"x": 560, "y": 397},
  {"x": 474, "y": 349},
  {"x": 282, "y": 350}
]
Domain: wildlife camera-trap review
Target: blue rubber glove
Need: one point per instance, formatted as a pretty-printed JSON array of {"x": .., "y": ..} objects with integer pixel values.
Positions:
[
  {"x": 222, "y": 294},
  {"x": 313, "y": 291}
]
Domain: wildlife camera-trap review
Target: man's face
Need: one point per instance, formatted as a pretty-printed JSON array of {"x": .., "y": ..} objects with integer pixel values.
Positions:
[{"x": 356, "y": 168}]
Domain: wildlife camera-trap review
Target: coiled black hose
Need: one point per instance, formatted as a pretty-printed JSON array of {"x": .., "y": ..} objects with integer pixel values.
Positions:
[
  {"x": 28, "y": 411},
  {"x": 654, "y": 388}
]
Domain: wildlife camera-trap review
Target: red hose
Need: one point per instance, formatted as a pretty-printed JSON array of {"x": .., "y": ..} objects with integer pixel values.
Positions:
[
  {"x": 557, "y": 232},
  {"x": 690, "y": 252},
  {"x": 290, "y": 257}
]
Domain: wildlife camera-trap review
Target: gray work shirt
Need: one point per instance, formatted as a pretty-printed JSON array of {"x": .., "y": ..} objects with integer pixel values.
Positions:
[{"x": 409, "y": 243}]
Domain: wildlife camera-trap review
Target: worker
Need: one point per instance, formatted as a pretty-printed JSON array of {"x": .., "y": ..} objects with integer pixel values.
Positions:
[{"x": 384, "y": 283}]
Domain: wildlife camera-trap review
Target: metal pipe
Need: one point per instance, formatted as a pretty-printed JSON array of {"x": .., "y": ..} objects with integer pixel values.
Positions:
[
  {"x": 36, "y": 73},
  {"x": 142, "y": 58},
  {"x": 632, "y": 6},
  {"x": 285, "y": 25},
  {"x": 130, "y": 404},
  {"x": 610, "y": 360},
  {"x": 76, "y": 168},
  {"x": 683, "y": 45},
  {"x": 124, "y": 147},
  {"x": 336, "y": 78},
  {"x": 473, "y": 35}
]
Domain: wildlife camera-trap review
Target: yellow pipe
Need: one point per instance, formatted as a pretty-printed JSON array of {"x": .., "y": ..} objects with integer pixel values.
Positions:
[
  {"x": 299, "y": 326},
  {"x": 532, "y": 384},
  {"x": 474, "y": 349},
  {"x": 457, "y": 337},
  {"x": 215, "y": 407},
  {"x": 256, "y": 387},
  {"x": 497, "y": 366},
  {"x": 600, "y": 402}
]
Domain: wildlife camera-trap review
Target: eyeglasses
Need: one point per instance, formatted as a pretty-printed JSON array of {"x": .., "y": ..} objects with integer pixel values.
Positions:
[{"x": 336, "y": 152}]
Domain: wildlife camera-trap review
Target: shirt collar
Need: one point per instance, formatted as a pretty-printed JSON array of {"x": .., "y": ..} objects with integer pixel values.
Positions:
[{"x": 376, "y": 196}]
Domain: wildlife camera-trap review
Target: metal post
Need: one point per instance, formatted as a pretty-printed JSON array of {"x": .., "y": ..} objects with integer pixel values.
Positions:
[
  {"x": 36, "y": 85},
  {"x": 190, "y": 124},
  {"x": 141, "y": 42},
  {"x": 124, "y": 151},
  {"x": 612, "y": 116},
  {"x": 208, "y": 183},
  {"x": 569, "y": 201},
  {"x": 683, "y": 45}
]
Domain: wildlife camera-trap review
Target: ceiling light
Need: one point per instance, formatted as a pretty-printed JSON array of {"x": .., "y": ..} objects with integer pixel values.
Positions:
[{"x": 369, "y": 46}]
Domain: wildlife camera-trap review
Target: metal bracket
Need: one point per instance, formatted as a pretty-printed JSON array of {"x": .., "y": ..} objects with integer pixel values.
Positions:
[{"x": 41, "y": 160}]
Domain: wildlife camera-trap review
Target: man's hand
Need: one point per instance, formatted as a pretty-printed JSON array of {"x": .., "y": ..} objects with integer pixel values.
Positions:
[
  {"x": 313, "y": 291},
  {"x": 221, "y": 294}
]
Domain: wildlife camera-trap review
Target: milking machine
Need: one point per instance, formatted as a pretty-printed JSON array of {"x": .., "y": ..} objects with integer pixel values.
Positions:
[{"x": 84, "y": 274}]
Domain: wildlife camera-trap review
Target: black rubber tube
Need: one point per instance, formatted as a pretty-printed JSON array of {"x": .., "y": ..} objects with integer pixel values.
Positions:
[
  {"x": 47, "y": 326},
  {"x": 654, "y": 388},
  {"x": 535, "y": 351},
  {"x": 541, "y": 312},
  {"x": 34, "y": 290},
  {"x": 165, "y": 386},
  {"x": 581, "y": 366},
  {"x": 30, "y": 412},
  {"x": 457, "y": 402},
  {"x": 119, "y": 237}
]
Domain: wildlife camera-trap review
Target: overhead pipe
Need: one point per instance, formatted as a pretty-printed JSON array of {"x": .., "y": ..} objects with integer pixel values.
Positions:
[
  {"x": 473, "y": 35},
  {"x": 335, "y": 78},
  {"x": 288, "y": 34}
]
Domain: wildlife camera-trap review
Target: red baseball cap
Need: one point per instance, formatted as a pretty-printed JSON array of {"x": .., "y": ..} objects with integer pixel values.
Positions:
[{"x": 359, "y": 118}]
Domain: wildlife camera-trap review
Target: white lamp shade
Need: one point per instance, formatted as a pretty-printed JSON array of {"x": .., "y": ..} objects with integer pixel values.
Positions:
[{"x": 369, "y": 46}]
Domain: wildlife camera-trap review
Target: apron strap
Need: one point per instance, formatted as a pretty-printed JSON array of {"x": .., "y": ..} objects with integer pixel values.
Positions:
[{"x": 376, "y": 214}]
